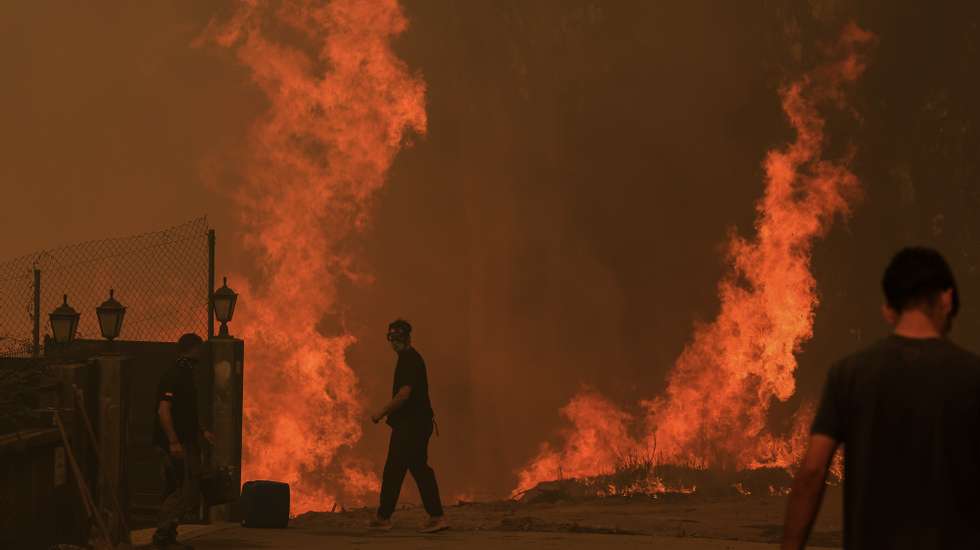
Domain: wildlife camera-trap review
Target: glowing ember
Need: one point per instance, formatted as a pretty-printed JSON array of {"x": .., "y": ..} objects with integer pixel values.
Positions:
[
  {"x": 340, "y": 103},
  {"x": 714, "y": 410}
]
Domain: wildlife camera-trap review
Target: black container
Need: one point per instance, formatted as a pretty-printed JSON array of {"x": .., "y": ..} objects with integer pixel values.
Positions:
[{"x": 265, "y": 504}]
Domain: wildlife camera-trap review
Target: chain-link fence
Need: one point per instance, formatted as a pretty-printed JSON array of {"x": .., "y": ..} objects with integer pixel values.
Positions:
[{"x": 163, "y": 278}]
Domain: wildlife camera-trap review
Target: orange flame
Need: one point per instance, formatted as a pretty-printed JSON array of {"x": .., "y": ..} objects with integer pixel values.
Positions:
[
  {"x": 714, "y": 410},
  {"x": 598, "y": 440},
  {"x": 340, "y": 104}
]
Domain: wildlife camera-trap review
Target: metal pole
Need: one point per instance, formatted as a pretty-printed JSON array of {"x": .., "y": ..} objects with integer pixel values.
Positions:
[
  {"x": 36, "y": 350},
  {"x": 211, "y": 283}
]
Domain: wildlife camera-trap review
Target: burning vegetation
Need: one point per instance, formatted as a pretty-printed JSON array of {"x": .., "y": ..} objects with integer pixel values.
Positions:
[{"x": 714, "y": 412}]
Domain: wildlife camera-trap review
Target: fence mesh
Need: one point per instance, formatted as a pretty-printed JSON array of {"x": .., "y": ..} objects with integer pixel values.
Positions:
[{"x": 162, "y": 278}]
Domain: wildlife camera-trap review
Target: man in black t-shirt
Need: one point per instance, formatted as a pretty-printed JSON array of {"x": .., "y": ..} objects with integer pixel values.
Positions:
[
  {"x": 410, "y": 417},
  {"x": 907, "y": 411},
  {"x": 175, "y": 434}
]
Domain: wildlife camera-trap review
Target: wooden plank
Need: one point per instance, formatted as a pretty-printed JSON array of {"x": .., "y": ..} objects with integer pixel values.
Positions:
[
  {"x": 83, "y": 489},
  {"x": 21, "y": 440},
  {"x": 113, "y": 490},
  {"x": 79, "y": 375}
]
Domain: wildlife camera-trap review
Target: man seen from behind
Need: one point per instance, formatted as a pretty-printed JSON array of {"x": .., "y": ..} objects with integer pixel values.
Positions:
[{"x": 907, "y": 412}]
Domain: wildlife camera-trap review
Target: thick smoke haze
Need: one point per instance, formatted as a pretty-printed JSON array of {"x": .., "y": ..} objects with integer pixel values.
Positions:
[{"x": 560, "y": 224}]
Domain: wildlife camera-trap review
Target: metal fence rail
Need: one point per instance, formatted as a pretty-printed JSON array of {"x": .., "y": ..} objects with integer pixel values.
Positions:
[{"x": 163, "y": 278}]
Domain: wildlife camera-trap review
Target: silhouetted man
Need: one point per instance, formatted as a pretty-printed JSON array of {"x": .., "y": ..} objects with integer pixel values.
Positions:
[
  {"x": 907, "y": 411},
  {"x": 175, "y": 434},
  {"x": 410, "y": 417}
]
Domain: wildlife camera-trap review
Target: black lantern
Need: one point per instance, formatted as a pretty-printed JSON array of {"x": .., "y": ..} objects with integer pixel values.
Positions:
[
  {"x": 111, "y": 314},
  {"x": 224, "y": 306},
  {"x": 64, "y": 323}
]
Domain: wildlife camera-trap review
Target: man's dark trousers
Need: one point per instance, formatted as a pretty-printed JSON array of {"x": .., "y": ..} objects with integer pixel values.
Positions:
[
  {"x": 181, "y": 487},
  {"x": 409, "y": 451}
]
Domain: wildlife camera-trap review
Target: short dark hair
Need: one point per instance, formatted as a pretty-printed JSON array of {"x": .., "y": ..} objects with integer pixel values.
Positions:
[
  {"x": 917, "y": 275},
  {"x": 400, "y": 327},
  {"x": 188, "y": 342}
]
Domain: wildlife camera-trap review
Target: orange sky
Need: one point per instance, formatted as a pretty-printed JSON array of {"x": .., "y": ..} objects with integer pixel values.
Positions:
[{"x": 108, "y": 113}]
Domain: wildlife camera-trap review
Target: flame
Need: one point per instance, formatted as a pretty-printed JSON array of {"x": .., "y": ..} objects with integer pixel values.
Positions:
[
  {"x": 715, "y": 408},
  {"x": 653, "y": 485},
  {"x": 598, "y": 440},
  {"x": 339, "y": 106}
]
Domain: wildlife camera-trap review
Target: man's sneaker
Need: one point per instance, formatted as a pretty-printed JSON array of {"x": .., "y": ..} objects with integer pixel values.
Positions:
[
  {"x": 434, "y": 525},
  {"x": 378, "y": 524}
]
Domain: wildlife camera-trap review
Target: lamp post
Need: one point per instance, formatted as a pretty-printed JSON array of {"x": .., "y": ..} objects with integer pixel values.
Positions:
[
  {"x": 64, "y": 323},
  {"x": 115, "y": 379},
  {"x": 110, "y": 314},
  {"x": 224, "y": 306}
]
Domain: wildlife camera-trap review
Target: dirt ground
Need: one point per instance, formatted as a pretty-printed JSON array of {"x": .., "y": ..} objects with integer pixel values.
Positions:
[{"x": 684, "y": 522}]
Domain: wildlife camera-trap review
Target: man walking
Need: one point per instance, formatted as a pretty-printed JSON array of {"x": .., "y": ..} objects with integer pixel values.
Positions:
[
  {"x": 907, "y": 411},
  {"x": 409, "y": 414},
  {"x": 175, "y": 434}
]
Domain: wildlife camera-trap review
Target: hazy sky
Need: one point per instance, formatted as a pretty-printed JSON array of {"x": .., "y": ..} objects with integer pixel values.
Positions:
[{"x": 108, "y": 113}]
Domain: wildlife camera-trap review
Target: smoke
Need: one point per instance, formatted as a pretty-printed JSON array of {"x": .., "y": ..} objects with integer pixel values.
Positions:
[{"x": 561, "y": 222}]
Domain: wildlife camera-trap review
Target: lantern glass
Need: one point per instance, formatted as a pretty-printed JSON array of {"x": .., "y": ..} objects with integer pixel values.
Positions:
[
  {"x": 110, "y": 322},
  {"x": 224, "y": 308},
  {"x": 224, "y": 303},
  {"x": 64, "y": 323},
  {"x": 110, "y": 314},
  {"x": 63, "y": 329},
  {"x": 60, "y": 327}
]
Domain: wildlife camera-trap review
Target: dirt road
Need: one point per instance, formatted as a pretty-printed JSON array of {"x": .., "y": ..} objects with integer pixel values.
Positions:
[
  {"x": 684, "y": 522},
  {"x": 236, "y": 537}
]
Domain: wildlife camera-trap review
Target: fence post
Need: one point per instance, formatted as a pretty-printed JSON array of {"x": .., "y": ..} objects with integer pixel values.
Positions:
[
  {"x": 36, "y": 349},
  {"x": 227, "y": 376},
  {"x": 210, "y": 283},
  {"x": 115, "y": 374}
]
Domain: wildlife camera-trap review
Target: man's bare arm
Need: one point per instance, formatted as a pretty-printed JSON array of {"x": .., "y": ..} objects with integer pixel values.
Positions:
[
  {"x": 804, "y": 500},
  {"x": 396, "y": 403},
  {"x": 165, "y": 412}
]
